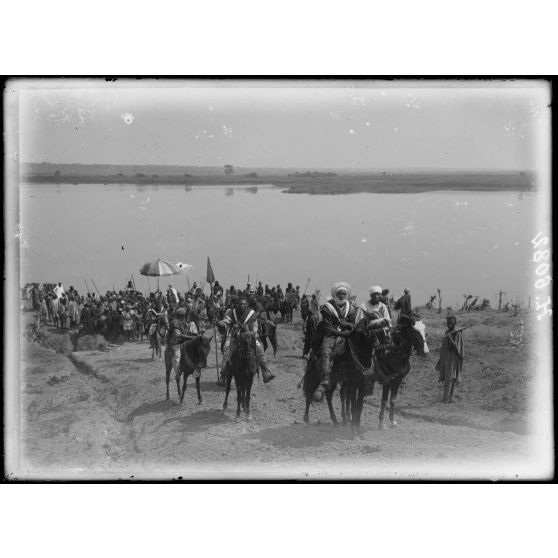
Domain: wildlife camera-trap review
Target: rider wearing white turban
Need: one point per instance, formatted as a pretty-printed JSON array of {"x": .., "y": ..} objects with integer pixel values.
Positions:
[
  {"x": 374, "y": 311},
  {"x": 338, "y": 318},
  {"x": 341, "y": 285}
]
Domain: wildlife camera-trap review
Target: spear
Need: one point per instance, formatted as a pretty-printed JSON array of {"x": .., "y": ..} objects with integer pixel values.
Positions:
[
  {"x": 307, "y": 283},
  {"x": 95, "y": 286}
]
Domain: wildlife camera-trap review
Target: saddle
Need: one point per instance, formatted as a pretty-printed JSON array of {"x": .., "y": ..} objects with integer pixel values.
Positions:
[{"x": 339, "y": 347}]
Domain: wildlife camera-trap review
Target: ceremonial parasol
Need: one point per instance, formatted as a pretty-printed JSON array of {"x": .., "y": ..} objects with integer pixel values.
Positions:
[{"x": 159, "y": 268}]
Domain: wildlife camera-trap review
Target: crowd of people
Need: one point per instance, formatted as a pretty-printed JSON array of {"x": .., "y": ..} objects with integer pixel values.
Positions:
[{"x": 128, "y": 313}]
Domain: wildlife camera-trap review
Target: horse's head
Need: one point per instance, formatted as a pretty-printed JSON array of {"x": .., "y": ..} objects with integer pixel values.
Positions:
[
  {"x": 199, "y": 350},
  {"x": 361, "y": 344},
  {"x": 244, "y": 350},
  {"x": 419, "y": 338}
]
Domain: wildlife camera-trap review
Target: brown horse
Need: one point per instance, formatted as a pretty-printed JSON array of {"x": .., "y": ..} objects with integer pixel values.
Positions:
[
  {"x": 157, "y": 337},
  {"x": 243, "y": 367},
  {"x": 267, "y": 330},
  {"x": 193, "y": 357}
]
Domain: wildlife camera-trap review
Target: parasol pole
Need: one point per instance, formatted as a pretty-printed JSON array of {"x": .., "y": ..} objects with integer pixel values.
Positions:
[
  {"x": 149, "y": 284},
  {"x": 95, "y": 286}
]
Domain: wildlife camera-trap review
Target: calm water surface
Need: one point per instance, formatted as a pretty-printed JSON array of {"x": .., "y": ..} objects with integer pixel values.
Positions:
[{"x": 475, "y": 243}]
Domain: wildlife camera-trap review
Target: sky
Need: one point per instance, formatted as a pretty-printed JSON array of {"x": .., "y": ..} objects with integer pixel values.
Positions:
[{"x": 321, "y": 124}]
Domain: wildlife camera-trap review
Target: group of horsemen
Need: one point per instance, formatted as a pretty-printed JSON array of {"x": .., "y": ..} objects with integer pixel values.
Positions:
[
  {"x": 234, "y": 310},
  {"x": 335, "y": 319}
]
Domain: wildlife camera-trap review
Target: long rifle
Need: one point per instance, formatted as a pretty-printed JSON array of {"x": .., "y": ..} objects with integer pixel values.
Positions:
[
  {"x": 87, "y": 286},
  {"x": 458, "y": 330},
  {"x": 133, "y": 282},
  {"x": 95, "y": 286},
  {"x": 461, "y": 329}
]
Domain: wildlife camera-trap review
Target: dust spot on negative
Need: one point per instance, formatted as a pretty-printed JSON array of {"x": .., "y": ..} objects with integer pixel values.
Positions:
[{"x": 128, "y": 118}]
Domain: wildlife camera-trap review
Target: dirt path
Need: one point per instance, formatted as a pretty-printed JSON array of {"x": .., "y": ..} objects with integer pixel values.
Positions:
[{"x": 105, "y": 413}]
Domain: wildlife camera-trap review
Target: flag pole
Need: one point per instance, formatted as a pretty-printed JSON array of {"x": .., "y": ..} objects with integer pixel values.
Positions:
[
  {"x": 210, "y": 278},
  {"x": 215, "y": 333}
]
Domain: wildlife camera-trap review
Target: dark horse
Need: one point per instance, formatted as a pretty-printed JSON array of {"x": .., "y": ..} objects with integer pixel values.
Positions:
[
  {"x": 193, "y": 356},
  {"x": 352, "y": 369},
  {"x": 243, "y": 365},
  {"x": 393, "y": 364}
]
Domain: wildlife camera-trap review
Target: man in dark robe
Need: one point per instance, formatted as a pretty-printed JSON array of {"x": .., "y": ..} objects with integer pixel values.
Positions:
[{"x": 450, "y": 363}]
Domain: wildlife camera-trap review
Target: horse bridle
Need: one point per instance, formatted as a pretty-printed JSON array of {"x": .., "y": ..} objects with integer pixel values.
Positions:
[{"x": 355, "y": 359}]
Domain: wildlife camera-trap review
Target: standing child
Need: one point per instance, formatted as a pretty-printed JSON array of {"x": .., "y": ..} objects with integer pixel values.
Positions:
[{"x": 450, "y": 363}]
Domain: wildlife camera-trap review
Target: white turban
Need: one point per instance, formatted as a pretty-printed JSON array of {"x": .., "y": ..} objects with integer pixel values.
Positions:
[
  {"x": 376, "y": 289},
  {"x": 341, "y": 285}
]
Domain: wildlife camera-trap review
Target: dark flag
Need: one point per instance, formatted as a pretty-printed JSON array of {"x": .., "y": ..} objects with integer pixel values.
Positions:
[{"x": 210, "y": 277}]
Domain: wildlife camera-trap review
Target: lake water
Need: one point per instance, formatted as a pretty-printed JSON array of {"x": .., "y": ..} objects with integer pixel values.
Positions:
[{"x": 462, "y": 242}]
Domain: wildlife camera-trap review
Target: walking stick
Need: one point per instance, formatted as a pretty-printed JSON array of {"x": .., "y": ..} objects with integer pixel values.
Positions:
[{"x": 95, "y": 286}]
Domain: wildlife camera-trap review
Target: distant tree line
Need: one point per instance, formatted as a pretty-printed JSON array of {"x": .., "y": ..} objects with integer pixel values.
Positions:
[{"x": 313, "y": 174}]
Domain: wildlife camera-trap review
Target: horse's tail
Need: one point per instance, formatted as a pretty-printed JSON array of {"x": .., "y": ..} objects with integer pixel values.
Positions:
[{"x": 311, "y": 378}]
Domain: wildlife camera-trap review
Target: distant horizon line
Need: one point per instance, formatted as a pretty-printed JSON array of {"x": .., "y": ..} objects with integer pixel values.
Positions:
[{"x": 353, "y": 169}]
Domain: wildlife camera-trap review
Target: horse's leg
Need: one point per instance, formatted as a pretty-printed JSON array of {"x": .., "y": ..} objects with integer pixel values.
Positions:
[
  {"x": 329, "y": 398},
  {"x": 344, "y": 401},
  {"x": 227, "y": 390},
  {"x": 385, "y": 393},
  {"x": 168, "y": 368},
  {"x": 354, "y": 412},
  {"x": 247, "y": 398},
  {"x": 392, "y": 399},
  {"x": 238, "y": 399},
  {"x": 308, "y": 401},
  {"x": 184, "y": 382},
  {"x": 360, "y": 403},
  {"x": 198, "y": 390}
]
